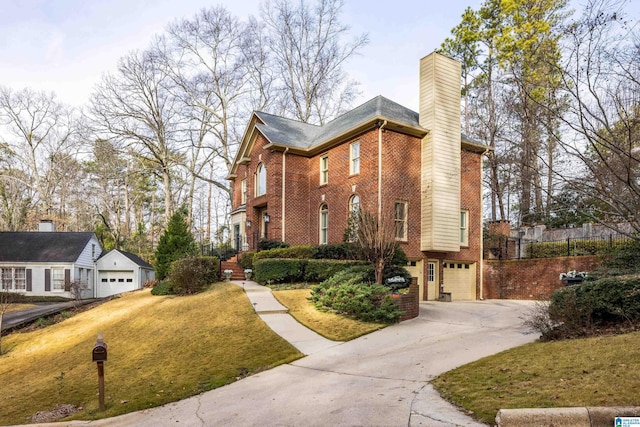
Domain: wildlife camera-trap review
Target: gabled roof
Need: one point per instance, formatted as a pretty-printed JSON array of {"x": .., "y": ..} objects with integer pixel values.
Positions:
[
  {"x": 42, "y": 246},
  {"x": 295, "y": 134},
  {"x": 133, "y": 257}
]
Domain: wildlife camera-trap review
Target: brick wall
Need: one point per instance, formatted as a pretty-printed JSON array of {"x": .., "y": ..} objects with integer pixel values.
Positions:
[
  {"x": 530, "y": 279},
  {"x": 409, "y": 303}
]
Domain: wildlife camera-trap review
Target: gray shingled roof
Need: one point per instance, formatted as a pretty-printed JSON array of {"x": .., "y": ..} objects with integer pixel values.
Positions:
[
  {"x": 297, "y": 134},
  {"x": 133, "y": 257},
  {"x": 42, "y": 246}
]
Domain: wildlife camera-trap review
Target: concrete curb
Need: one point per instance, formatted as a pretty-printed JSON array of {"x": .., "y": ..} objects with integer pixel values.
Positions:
[{"x": 560, "y": 417}]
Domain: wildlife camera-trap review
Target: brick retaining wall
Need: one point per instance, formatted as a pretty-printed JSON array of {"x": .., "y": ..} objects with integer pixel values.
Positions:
[
  {"x": 530, "y": 279},
  {"x": 409, "y": 303}
]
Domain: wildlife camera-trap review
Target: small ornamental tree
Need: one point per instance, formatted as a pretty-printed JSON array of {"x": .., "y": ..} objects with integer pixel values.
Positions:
[
  {"x": 176, "y": 243},
  {"x": 375, "y": 240}
]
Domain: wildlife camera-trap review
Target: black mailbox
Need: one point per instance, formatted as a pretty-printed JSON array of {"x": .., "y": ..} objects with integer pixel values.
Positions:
[{"x": 100, "y": 352}]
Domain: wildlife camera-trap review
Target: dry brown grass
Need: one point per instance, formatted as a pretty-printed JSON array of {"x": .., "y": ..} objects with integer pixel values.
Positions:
[
  {"x": 161, "y": 349},
  {"x": 329, "y": 325},
  {"x": 18, "y": 307},
  {"x": 601, "y": 371}
]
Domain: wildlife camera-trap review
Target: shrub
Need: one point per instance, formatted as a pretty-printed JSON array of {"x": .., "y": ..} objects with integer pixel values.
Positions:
[
  {"x": 264, "y": 244},
  {"x": 335, "y": 251},
  {"x": 278, "y": 270},
  {"x": 194, "y": 274},
  {"x": 318, "y": 270},
  {"x": 625, "y": 257},
  {"x": 246, "y": 260},
  {"x": 163, "y": 288},
  {"x": 581, "y": 310},
  {"x": 352, "y": 293},
  {"x": 297, "y": 252}
]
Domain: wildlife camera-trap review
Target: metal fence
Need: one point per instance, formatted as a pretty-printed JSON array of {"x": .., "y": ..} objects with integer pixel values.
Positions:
[{"x": 524, "y": 249}]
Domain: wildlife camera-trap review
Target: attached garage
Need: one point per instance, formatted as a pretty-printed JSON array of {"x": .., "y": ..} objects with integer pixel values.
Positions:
[
  {"x": 459, "y": 279},
  {"x": 120, "y": 271}
]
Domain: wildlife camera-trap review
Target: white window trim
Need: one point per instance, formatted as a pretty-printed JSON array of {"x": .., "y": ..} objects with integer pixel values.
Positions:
[
  {"x": 324, "y": 169},
  {"x": 258, "y": 187},
  {"x": 404, "y": 220},
  {"x": 464, "y": 228},
  {"x": 9, "y": 280},
  {"x": 354, "y": 161},
  {"x": 55, "y": 281},
  {"x": 243, "y": 192},
  {"x": 323, "y": 237}
]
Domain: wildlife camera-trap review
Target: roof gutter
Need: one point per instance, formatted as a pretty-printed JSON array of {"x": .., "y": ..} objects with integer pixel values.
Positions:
[{"x": 380, "y": 171}]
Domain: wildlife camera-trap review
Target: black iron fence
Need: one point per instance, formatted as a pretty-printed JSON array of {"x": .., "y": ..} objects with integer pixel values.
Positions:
[{"x": 523, "y": 249}]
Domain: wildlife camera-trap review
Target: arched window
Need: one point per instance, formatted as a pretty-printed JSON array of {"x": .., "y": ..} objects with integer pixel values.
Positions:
[
  {"x": 354, "y": 217},
  {"x": 261, "y": 180},
  {"x": 354, "y": 205},
  {"x": 324, "y": 224}
]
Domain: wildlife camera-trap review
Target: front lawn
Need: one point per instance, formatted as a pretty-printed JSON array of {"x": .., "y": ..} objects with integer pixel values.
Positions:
[
  {"x": 600, "y": 371},
  {"x": 329, "y": 325},
  {"x": 160, "y": 349}
]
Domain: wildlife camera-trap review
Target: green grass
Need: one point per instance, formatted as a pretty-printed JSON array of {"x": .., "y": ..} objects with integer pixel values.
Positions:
[
  {"x": 601, "y": 371},
  {"x": 329, "y": 325},
  {"x": 161, "y": 349}
]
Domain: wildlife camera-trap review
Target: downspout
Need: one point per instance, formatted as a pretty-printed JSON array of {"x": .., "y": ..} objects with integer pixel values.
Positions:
[
  {"x": 481, "y": 235},
  {"x": 380, "y": 170},
  {"x": 284, "y": 190}
]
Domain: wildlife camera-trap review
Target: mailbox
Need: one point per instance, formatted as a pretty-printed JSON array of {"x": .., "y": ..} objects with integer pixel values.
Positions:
[{"x": 100, "y": 351}]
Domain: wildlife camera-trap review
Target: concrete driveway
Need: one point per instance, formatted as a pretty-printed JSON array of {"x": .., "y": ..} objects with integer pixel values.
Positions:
[{"x": 381, "y": 379}]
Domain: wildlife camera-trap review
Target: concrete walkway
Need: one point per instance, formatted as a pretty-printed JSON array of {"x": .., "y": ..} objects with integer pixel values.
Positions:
[
  {"x": 22, "y": 317},
  {"x": 380, "y": 379},
  {"x": 276, "y": 316}
]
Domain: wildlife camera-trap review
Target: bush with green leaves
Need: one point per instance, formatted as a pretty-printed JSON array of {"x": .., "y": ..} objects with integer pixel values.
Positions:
[
  {"x": 277, "y": 270},
  {"x": 318, "y": 270},
  {"x": 297, "y": 252},
  {"x": 194, "y": 274},
  {"x": 246, "y": 260},
  {"x": 335, "y": 251},
  {"x": 352, "y": 293},
  {"x": 624, "y": 258},
  {"x": 163, "y": 288},
  {"x": 582, "y": 310},
  {"x": 265, "y": 244}
]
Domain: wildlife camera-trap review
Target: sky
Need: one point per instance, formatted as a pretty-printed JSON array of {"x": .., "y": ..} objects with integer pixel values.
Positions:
[{"x": 65, "y": 46}]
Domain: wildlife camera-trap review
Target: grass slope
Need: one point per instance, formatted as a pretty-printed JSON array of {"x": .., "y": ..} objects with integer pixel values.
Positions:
[
  {"x": 329, "y": 325},
  {"x": 161, "y": 349},
  {"x": 601, "y": 371}
]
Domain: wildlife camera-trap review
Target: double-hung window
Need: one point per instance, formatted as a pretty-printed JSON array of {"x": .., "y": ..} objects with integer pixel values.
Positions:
[
  {"x": 243, "y": 192},
  {"x": 400, "y": 218},
  {"x": 57, "y": 279},
  {"x": 354, "y": 158},
  {"x": 324, "y": 170},
  {"x": 13, "y": 278},
  {"x": 324, "y": 224}
]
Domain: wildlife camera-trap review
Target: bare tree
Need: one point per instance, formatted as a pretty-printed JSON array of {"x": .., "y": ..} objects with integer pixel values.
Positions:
[
  {"x": 136, "y": 109},
  {"x": 601, "y": 81},
  {"x": 375, "y": 238},
  {"x": 309, "y": 51},
  {"x": 38, "y": 133}
]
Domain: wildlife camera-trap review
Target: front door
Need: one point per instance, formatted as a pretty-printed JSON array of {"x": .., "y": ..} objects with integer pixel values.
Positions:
[
  {"x": 236, "y": 237},
  {"x": 432, "y": 280}
]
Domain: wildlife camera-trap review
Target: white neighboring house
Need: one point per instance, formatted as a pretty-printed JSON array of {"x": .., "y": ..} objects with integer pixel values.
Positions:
[
  {"x": 120, "y": 271},
  {"x": 45, "y": 262}
]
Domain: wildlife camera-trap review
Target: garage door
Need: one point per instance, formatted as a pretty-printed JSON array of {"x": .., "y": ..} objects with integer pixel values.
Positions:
[
  {"x": 460, "y": 280},
  {"x": 115, "y": 282}
]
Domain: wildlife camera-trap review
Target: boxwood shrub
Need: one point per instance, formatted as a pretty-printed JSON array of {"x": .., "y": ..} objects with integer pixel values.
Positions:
[
  {"x": 318, "y": 270},
  {"x": 277, "y": 270},
  {"x": 301, "y": 252}
]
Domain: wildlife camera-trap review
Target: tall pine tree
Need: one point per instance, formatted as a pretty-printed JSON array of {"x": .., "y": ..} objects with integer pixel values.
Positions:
[{"x": 175, "y": 243}]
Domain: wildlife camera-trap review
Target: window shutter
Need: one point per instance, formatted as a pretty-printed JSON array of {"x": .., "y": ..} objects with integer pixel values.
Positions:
[
  {"x": 67, "y": 279},
  {"x": 47, "y": 280},
  {"x": 29, "y": 281}
]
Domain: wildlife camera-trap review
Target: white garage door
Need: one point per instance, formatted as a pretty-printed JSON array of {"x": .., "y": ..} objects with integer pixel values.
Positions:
[
  {"x": 460, "y": 280},
  {"x": 115, "y": 282}
]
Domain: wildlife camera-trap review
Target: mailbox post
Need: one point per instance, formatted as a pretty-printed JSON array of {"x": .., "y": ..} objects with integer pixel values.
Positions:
[{"x": 99, "y": 354}]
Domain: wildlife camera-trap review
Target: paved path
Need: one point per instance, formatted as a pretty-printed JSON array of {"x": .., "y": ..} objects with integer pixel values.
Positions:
[
  {"x": 380, "y": 379},
  {"x": 17, "y": 318}
]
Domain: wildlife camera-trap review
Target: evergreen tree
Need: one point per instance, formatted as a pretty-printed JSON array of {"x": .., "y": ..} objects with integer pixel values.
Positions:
[{"x": 175, "y": 243}]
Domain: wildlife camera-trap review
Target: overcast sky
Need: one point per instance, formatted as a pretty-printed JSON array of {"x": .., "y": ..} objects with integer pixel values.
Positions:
[{"x": 66, "y": 45}]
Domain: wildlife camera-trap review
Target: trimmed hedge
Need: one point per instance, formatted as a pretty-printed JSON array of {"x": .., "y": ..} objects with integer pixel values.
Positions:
[
  {"x": 285, "y": 270},
  {"x": 297, "y": 252},
  {"x": 573, "y": 248}
]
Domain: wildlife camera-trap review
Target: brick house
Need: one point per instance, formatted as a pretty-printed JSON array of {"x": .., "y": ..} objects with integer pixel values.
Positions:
[{"x": 298, "y": 183}]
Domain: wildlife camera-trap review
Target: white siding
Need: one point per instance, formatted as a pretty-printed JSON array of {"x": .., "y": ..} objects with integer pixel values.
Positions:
[
  {"x": 85, "y": 260},
  {"x": 440, "y": 114}
]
